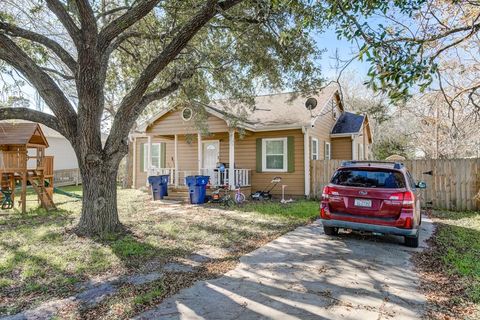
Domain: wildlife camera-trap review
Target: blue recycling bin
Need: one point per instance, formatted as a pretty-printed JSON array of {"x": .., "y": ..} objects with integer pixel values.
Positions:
[
  {"x": 159, "y": 186},
  {"x": 197, "y": 187}
]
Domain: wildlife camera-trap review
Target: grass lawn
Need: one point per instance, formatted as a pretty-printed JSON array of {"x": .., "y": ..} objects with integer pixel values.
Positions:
[
  {"x": 41, "y": 259},
  {"x": 452, "y": 265}
]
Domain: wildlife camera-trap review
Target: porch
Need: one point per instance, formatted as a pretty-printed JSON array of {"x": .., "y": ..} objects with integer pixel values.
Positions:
[{"x": 182, "y": 155}]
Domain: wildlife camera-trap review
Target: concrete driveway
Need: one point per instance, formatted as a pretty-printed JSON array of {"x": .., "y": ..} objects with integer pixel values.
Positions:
[{"x": 308, "y": 275}]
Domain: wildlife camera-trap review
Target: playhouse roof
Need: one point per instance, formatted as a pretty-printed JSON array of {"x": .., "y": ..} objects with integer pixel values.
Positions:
[{"x": 29, "y": 134}]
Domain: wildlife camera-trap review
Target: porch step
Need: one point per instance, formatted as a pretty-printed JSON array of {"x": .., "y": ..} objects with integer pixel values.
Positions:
[{"x": 176, "y": 198}]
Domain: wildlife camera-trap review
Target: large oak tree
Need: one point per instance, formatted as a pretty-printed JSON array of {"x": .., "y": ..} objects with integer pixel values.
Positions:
[{"x": 95, "y": 61}]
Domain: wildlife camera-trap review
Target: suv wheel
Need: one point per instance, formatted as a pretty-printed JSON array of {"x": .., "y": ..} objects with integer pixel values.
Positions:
[
  {"x": 330, "y": 231},
  {"x": 411, "y": 241}
]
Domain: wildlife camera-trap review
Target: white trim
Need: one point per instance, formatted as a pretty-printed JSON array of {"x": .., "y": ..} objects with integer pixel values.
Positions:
[
  {"x": 199, "y": 152},
  {"x": 329, "y": 145},
  {"x": 264, "y": 154},
  {"x": 175, "y": 154},
  {"x": 134, "y": 174},
  {"x": 342, "y": 135},
  {"x": 315, "y": 151},
  {"x": 149, "y": 154},
  {"x": 353, "y": 148},
  {"x": 231, "y": 159},
  {"x": 306, "y": 161}
]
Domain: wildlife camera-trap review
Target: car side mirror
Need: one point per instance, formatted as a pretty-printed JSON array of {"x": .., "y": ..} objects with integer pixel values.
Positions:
[{"x": 421, "y": 185}]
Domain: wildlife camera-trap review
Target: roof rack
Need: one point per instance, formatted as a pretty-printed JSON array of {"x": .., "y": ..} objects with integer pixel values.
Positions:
[{"x": 396, "y": 165}]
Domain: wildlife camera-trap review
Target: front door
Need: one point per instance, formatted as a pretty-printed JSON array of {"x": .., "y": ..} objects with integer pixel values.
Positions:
[{"x": 211, "y": 153}]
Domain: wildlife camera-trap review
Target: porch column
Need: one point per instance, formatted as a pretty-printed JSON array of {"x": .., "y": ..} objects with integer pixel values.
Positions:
[
  {"x": 149, "y": 156},
  {"x": 134, "y": 173},
  {"x": 231, "y": 159},
  {"x": 175, "y": 156},
  {"x": 200, "y": 152},
  {"x": 306, "y": 161}
]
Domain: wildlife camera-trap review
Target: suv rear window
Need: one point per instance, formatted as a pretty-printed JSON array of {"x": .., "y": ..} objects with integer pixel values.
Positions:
[{"x": 369, "y": 178}]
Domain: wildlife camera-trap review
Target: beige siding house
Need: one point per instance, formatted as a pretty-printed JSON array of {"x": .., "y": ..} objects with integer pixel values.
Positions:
[{"x": 278, "y": 137}]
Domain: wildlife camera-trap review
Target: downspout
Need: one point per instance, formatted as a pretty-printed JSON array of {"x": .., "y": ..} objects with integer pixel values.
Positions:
[{"x": 306, "y": 159}]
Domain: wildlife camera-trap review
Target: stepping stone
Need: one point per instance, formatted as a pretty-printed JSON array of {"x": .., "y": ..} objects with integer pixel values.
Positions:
[
  {"x": 94, "y": 296},
  {"x": 140, "y": 279},
  {"x": 177, "y": 267}
]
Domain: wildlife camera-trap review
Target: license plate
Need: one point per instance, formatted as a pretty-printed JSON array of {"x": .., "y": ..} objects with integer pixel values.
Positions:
[{"x": 363, "y": 202}]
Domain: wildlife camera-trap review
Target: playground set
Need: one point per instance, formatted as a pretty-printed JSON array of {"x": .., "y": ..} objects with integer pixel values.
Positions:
[{"x": 23, "y": 163}]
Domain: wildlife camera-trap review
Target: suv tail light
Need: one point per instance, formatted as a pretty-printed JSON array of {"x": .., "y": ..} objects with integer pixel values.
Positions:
[
  {"x": 407, "y": 198},
  {"x": 328, "y": 192}
]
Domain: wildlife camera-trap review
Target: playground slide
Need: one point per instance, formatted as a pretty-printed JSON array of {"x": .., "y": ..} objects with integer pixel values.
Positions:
[{"x": 65, "y": 193}]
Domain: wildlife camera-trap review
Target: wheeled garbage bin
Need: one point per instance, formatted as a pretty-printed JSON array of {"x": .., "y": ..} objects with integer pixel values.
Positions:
[
  {"x": 197, "y": 187},
  {"x": 159, "y": 185}
]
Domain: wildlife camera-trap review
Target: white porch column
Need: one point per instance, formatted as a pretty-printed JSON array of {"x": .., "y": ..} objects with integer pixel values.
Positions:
[
  {"x": 231, "y": 159},
  {"x": 149, "y": 156},
  {"x": 200, "y": 152},
  {"x": 306, "y": 160},
  {"x": 134, "y": 173},
  {"x": 175, "y": 156}
]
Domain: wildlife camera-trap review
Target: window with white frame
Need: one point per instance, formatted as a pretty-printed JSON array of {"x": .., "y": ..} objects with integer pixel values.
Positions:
[
  {"x": 314, "y": 149},
  {"x": 275, "y": 158},
  {"x": 360, "y": 152},
  {"x": 327, "y": 151},
  {"x": 155, "y": 156}
]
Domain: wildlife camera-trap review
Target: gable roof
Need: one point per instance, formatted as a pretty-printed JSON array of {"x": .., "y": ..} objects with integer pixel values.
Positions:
[
  {"x": 22, "y": 134},
  {"x": 270, "y": 112},
  {"x": 348, "y": 123}
]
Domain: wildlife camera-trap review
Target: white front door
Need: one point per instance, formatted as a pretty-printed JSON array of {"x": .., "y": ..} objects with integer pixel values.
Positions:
[{"x": 211, "y": 154}]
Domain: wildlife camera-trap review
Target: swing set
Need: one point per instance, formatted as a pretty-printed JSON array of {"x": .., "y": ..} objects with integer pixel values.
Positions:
[{"x": 23, "y": 162}]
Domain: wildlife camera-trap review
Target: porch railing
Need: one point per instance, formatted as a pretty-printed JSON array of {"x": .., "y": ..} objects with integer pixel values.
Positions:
[{"x": 217, "y": 178}]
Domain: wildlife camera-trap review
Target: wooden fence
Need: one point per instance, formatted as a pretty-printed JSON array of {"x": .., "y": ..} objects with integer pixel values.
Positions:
[{"x": 451, "y": 184}]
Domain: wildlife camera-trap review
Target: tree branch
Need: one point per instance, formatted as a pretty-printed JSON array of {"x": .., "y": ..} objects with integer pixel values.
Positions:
[
  {"x": 59, "y": 10},
  {"x": 58, "y": 73},
  {"x": 87, "y": 17},
  {"x": 46, "y": 87},
  {"x": 28, "y": 114},
  {"x": 63, "y": 54},
  {"x": 122, "y": 23}
]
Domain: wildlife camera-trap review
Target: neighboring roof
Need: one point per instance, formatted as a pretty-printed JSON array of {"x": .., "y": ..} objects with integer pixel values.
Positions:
[
  {"x": 348, "y": 123},
  {"x": 22, "y": 134},
  {"x": 272, "y": 111}
]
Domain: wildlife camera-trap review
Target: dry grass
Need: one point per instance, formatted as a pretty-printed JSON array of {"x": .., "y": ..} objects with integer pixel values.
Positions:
[{"x": 41, "y": 259}]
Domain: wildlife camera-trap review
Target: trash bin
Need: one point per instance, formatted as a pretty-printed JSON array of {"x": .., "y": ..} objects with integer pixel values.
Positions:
[
  {"x": 159, "y": 185},
  {"x": 197, "y": 187}
]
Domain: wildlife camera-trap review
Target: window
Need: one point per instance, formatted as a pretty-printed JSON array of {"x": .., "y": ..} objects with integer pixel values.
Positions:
[
  {"x": 327, "y": 151},
  {"x": 274, "y": 155},
  {"x": 314, "y": 149},
  {"x": 155, "y": 155},
  {"x": 373, "y": 178},
  {"x": 187, "y": 114}
]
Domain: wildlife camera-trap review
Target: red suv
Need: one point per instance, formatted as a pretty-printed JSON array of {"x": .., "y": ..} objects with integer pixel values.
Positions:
[{"x": 374, "y": 196}]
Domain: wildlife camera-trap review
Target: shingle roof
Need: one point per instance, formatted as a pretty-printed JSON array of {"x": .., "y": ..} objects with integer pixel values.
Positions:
[
  {"x": 21, "y": 134},
  {"x": 276, "y": 109},
  {"x": 348, "y": 123}
]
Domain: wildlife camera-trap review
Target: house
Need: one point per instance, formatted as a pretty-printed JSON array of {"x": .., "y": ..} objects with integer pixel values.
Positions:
[{"x": 278, "y": 137}]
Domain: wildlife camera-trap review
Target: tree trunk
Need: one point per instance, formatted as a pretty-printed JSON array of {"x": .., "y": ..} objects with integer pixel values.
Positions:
[{"x": 99, "y": 206}]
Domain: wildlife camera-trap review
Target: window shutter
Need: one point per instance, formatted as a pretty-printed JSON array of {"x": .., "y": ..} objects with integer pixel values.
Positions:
[
  {"x": 291, "y": 154},
  {"x": 163, "y": 154},
  {"x": 142, "y": 157},
  {"x": 259, "y": 155}
]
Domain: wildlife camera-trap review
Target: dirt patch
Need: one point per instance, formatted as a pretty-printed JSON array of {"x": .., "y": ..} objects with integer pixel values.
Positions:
[{"x": 445, "y": 291}]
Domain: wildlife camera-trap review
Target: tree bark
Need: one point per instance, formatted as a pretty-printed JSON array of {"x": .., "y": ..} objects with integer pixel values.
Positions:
[{"x": 99, "y": 206}]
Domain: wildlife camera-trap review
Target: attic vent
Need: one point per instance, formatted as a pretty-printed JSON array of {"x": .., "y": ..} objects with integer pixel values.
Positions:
[{"x": 187, "y": 114}]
